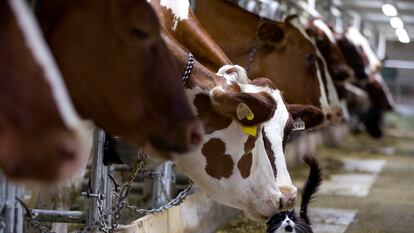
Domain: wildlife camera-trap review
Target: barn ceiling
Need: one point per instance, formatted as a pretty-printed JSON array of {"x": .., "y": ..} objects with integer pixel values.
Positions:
[{"x": 371, "y": 10}]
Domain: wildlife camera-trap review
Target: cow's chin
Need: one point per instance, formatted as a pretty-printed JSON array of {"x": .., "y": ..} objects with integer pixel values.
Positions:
[
  {"x": 156, "y": 154},
  {"x": 255, "y": 215}
]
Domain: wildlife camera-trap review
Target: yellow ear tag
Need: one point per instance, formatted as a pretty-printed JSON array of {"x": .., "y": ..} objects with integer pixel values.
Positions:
[
  {"x": 250, "y": 130},
  {"x": 243, "y": 111}
]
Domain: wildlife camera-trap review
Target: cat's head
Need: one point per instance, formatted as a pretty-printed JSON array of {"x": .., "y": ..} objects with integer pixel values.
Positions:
[{"x": 282, "y": 222}]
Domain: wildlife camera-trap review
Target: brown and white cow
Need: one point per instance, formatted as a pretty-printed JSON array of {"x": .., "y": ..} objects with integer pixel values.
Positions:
[
  {"x": 41, "y": 135},
  {"x": 363, "y": 60},
  {"x": 241, "y": 160},
  {"x": 278, "y": 50},
  {"x": 327, "y": 45},
  {"x": 119, "y": 71}
]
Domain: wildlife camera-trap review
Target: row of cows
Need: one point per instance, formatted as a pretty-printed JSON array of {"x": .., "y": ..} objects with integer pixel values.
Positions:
[{"x": 119, "y": 65}]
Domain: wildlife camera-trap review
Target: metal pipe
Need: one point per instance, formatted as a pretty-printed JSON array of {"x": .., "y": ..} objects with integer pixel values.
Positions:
[
  {"x": 63, "y": 216},
  {"x": 96, "y": 173},
  {"x": 19, "y": 211},
  {"x": 3, "y": 184},
  {"x": 109, "y": 187},
  {"x": 162, "y": 184},
  {"x": 382, "y": 45},
  {"x": 10, "y": 207},
  {"x": 312, "y": 4}
]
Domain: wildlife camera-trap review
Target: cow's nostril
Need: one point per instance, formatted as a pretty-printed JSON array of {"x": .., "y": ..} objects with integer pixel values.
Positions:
[
  {"x": 329, "y": 116},
  {"x": 66, "y": 154},
  {"x": 288, "y": 195},
  {"x": 195, "y": 134}
]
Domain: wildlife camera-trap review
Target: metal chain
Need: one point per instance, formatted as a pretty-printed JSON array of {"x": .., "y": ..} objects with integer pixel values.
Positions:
[
  {"x": 38, "y": 226},
  {"x": 252, "y": 54},
  {"x": 253, "y": 50},
  {"x": 114, "y": 210},
  {"x": 174, "y": 202},
  {"x": 120, "y": 203}
]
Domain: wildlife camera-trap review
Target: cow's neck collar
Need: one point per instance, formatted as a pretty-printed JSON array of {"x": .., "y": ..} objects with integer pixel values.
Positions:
[{"x": 188, "y": 68}]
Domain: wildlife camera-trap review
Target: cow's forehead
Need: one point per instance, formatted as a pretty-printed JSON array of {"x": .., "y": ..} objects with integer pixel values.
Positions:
[{"x": 326, "y": 30}]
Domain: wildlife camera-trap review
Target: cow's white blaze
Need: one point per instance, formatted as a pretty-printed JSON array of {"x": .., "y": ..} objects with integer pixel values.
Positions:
[
  {"x": 43, "y": 56},
  {"x": 326, "y": 30},
  {"x": 332, "y": 94},
  {"x": 357, "y": 38},
  {"x": 258, "y": 195},
  {"x": 179, "y": 8}
]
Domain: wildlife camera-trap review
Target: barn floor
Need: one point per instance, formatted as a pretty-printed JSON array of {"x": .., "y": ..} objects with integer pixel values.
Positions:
[{"x": 368, "y": 185}]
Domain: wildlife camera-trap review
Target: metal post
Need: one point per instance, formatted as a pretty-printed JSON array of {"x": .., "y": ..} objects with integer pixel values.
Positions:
[
  {"x": 382, "y": 45},
  {"x": 62, "y": 216},
  {"x": 163, "y": 179},
  {"x": 357, "y": 20},
  {"x": 10, "y": 207},
  {"x": 109, "y": 186},
  {"x": 3, "y": 184},
  {"x": 312, "y": 4},
  {"x": 19, "y": 211},
  {"x": 97, "y": 172}
]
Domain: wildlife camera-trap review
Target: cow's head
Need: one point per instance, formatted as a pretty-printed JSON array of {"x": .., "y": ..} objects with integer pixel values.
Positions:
[
  {"x": 326, "y": 42},
  {"x": 119, "y": 71},
  {"x": 40, "y": 133},
  {"x": 284, "y": 51},
  {"x": 353, "y": 56},
  {"x": 241, "y": 160}
]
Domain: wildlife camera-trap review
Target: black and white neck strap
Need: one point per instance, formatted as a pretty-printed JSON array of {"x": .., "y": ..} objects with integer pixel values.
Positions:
[{"x": 188, "y": 68}]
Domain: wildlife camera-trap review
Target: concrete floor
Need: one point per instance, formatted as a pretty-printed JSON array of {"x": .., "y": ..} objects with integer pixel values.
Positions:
[{"x": 368, "y": 188}]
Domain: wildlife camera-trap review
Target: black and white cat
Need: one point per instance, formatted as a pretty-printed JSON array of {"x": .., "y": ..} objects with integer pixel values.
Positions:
[{"x": 286, "y": 221}]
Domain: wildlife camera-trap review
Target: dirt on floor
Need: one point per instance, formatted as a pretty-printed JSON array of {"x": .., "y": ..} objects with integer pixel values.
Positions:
[{"x": 389, "y": 205}]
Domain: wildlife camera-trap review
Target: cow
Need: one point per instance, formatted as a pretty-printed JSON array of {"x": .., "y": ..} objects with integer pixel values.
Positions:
[
  {"x": 119, "y": 72},
  {"x": 362, "y": 59},
  {"x": 240, "y": 162},
  {"x": 278, "y": 50},
  {"x": 42, "y": 138},
  {"x": 327, "y": 45}
]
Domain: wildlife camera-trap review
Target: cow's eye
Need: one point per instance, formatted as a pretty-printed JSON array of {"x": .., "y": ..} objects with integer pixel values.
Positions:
[
  {"x": 310, "y": 58},
  {"x": 140, "y": 34}
]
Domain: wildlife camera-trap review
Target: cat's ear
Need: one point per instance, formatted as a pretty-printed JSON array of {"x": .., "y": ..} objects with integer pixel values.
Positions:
[{"x": 292, "y": 215}]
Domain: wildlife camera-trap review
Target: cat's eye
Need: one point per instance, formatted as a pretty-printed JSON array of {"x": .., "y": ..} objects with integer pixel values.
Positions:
[{"x": 140, "y": 34}]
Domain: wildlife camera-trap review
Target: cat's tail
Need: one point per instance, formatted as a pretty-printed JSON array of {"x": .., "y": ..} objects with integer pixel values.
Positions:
[{"x": 311, "y": 185}]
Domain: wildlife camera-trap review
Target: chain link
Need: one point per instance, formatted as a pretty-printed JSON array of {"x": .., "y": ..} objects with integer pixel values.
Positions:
[
  {"x": 174, "y": 202},
  {"x": 39, "y": 227}
]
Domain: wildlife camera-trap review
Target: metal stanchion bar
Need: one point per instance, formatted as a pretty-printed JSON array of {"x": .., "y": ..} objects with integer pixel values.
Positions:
[
  {"x": 96, "y": 173},
  {"x": 62, "y": 216},
  {"x": 109, "y": 187},
  {"x": 19, "y": 211},
  {"x": 3, "y": 184},
  {"x": 10, "y": 208},
  {"x": 162, "y": 184}
]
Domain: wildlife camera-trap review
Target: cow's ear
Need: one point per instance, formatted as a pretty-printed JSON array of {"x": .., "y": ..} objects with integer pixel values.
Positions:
[
  {"x": 292, "y": 17},
  {"x": 248, "y": 108},
  {"x": 311, "y": 115},
  {"x": 270, "y": 33}
]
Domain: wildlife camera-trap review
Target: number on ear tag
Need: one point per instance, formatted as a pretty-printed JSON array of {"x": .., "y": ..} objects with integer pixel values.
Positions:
[
  {"x": 243, "y": 111},
  {"x": 250, "y": 130},
  {"x": 299, "y": 125}
]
